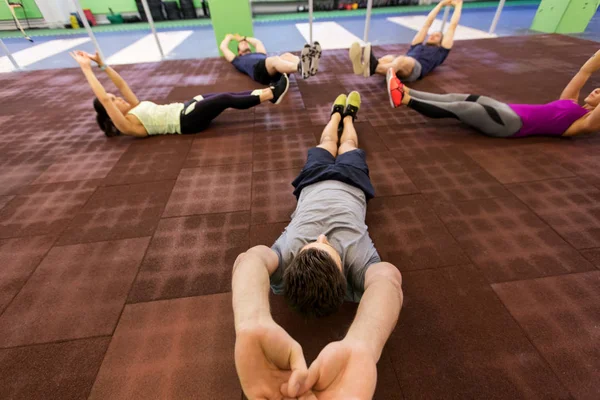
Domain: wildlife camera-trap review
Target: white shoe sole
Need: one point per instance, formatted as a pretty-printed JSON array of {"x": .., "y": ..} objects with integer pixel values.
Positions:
[
  {"x": 355, "y": 58},
  {"x": 367, "y": 58},
  {"x": 306, "y": 61},
  {"x": 314, "y": 65},
  {"x": 388, "y": 77}
]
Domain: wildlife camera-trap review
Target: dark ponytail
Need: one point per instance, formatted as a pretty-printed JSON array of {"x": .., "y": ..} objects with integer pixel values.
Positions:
[{"x": 104, "y": 121}]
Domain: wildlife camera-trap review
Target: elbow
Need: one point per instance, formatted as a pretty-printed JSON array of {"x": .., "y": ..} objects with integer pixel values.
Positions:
[{"x": 389, "y": 274}]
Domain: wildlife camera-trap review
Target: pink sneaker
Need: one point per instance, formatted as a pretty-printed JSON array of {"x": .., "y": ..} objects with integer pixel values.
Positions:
[{"x": 395, "y": 88}]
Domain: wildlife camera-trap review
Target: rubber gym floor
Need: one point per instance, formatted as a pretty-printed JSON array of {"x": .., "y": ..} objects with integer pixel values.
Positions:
[{"x": 116, "y": 254}]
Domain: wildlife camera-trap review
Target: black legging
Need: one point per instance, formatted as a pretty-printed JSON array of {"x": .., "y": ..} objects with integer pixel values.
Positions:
[{"x": 198, "y": 113}]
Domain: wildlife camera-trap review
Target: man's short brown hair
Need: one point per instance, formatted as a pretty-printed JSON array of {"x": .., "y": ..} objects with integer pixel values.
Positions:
[{"x": 314, "y": 284}]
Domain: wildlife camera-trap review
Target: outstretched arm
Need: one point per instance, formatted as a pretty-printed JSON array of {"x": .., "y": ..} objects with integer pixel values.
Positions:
[
  {"x": 114, "y": 76},
  {"x": 574, "y": 87},
  {"x": 266, "y": 356},
  {"x": 347, "y": 369},
  {"x": 448, "y": 40},
  {"x": 258, "y": 45},
  {"x": 422, "y": 34},
  {"x": 229, "y": 56},
  {"x": 115, "y": 115}
]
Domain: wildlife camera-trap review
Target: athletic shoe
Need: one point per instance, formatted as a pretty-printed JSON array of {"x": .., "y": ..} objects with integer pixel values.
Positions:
[
  {"x": 395, "y": 88},
  {"x": 316, "y": 56},
  {"x": 339, "y": 104},
  {"x": 280, "y": 89},
  {"x": 367, "y": 61},
  {"x": 355, "y": 58},
  {"x": 305, "y": 60},
  {"x": 352, "y": 105}
]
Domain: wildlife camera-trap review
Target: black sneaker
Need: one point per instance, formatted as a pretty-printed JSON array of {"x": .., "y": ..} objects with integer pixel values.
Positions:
[
  {"x": 280, "y": 89},
  {"x": 352, "y": 105}
]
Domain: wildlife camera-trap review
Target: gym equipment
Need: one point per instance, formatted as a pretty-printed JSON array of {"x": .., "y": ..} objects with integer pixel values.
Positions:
[
  {"x": 188, "y": 10},
  {"x": 172, "y": 10}
]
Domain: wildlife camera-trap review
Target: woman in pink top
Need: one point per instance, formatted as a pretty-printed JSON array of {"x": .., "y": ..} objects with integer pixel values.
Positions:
[{"x": 563, "y": 117}]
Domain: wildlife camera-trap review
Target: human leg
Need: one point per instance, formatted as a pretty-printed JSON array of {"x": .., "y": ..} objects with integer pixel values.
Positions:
[
  {"x": 349, "y": 139},
  {"x": 276, "y": 64}
]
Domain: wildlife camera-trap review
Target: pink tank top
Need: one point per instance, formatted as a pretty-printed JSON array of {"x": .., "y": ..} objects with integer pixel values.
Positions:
[{"x": 551, "y": 119}]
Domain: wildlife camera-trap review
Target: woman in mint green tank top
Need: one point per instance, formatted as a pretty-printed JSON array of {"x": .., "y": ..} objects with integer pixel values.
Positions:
[{"x": 128, "y": 116}]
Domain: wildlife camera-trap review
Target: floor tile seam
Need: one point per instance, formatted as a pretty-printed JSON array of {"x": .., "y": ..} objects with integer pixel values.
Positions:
[
  {"x": 557, "y": 374},
  {"x": 105, "y": 185},
  {"x": 139, "y": 267},
  {"x": 178, "y": 298},
  {"x": 544, "y": 220},
  {"x": 31, "y": 274},
  {"x": 58, "y": 341}
]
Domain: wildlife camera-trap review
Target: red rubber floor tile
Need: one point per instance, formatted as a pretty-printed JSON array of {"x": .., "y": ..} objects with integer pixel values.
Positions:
[
  {"x": 455, "y": 339},
  {"x": 408, "y": 234},
  {"x": 4, "y": 200},
  {"x": 13, "y": 178},
  {"x": 19, "y": 258},
  {"x": 174, "y": 349},
  {"x": 220, "y": 150},
  {"x": 215, "y": 189},
  {"x": 64, "y": 371},
  {"x": 570, "y": 206},
  {"x": 77, "y": 291},
  {"x": 119, "y": 212},
  {"x": 272, "y": 196},
  {"x": 387, "y": 176},
  {"x": 153, "y": 159},
  {"x": 266, "y": 234},
  {"x": 507, "y": 241},
  {"x": 561, "y": 316},
  {"x": 511, "y": 165},
  {"x": 44, "y": 209},
  {"x": 191, "y": 256},
  {"x": 80, "y": 167},
  {"x": 282, "y": 149}
]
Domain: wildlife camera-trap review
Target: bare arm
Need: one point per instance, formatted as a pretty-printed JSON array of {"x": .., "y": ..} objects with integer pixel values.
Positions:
[
  {"x": 115, "y": 115},
  {"x": 379, "y": 308},
  {"x": 266, "y": 356},
  {"x": 422, "y": 34},
  {"x": 229, "y": 55},
  {"x": 448, "y": 40},
  {"x": 574, "y": 87},
  {"x": 250, "y": 285},
  {"x": 258, "y": 45}
]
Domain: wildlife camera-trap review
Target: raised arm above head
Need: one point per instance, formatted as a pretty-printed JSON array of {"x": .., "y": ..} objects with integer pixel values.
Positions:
[
  {"x": 573, "y": 89},
  {"x": 117, "y": 117},
  {"x": 266, "y": 356},
  {"x": 448, "y": 40},
  {"x": 116, "y": 79},
  {"x": 258, "y": 45},
  {"x": 422, "y": 34},
  {"x": 224, "y": 47}
]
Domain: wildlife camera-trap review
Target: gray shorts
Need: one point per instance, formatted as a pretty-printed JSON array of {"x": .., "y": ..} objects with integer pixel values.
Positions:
[{"x": 415, "y": 74}]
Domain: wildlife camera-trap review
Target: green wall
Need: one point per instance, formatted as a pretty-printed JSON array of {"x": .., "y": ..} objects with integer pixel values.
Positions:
[{"x": 30, "y": 6}]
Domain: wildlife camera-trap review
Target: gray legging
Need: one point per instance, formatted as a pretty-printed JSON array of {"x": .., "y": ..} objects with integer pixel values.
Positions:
[{"x": 487, "y": 115}]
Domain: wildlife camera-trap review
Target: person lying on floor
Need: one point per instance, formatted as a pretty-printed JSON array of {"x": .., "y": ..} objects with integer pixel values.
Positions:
[
  {"x": 128, "y": 116},
  {"x": 425, "y": 54},
  {"x": 563, "y": 117},
  {"x": 265, "y": 69},
  {"x": 323, "y": 258}
]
